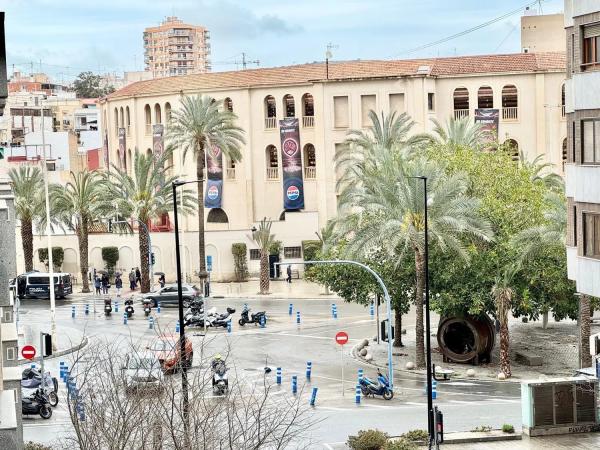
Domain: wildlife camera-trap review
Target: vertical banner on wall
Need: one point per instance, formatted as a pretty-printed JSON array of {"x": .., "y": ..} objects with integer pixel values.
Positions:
[
  {"x": 291, "y": 159},
  {"x": 489, "y": 119},
  {"x": 214, "y": 184},
  {"x": 158, "y": 143},
  {"x": 122, "y": 147},
  {"x": 106, "y": 151}
]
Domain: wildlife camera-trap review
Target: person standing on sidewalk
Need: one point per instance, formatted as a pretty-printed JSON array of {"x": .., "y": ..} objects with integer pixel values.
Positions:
[
  {"x": 289, "y": 273},
  {"x": 132, "y": 279},
  {"x": 118, "y": 284},
  {"x": 97, "y": 285},
  {"x": 105, "y": 283},
  {"x": 138, "y": 276}
]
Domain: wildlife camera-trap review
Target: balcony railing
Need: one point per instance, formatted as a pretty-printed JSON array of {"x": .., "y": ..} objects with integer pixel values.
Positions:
[
  {"x": 461, "y": 113},
  {"x": 148, "y": 129},
  {"x": 563, "y": 111},
  {"x": 270, "y": 123},
  {"x": 231, "y": 173},
  {"x": 308, "y": 121},
  {"x": 310, "y": 173},
  {"x": 510, "y": 113},
  {"x": 272, "y": 173}
]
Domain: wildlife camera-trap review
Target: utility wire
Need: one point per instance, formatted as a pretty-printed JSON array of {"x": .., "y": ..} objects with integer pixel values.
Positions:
[{"x": 470, "y": 30}]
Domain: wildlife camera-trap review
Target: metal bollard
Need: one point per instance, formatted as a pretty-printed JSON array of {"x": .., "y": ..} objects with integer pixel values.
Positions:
[
  {"x": 372, "y": 310},
  {"x": 294, "y": 384},
  {"x": 357, "y": 396},
  {"x": 279, "y": 375},
  {"x": 61, "y": 370},
  {"x": 229, "y": 326},
  {"x": 87, "y": 309},
  {"x": 65, "y": 373},
  {"x": 73, "y": 311},
  {"x": 151, "y": 322},
  {"x": 291, "y": 309},
  {"x": 433, "y": 389},
  {"x": 262, "y": 320},
  {"x": 313, "y": 396},
  {"x": 116, "y": 307},
  {"x": 298, "y": 317},
  {"x": 177, "y": 327},
  {"x": 308, "y": 369},
  {"x": 334, "y": 310},
  {"x": 81, "y": 411},
  {"x": 158, "y": 308},
  {"x": 360, "y": 375},
  {"x": 124, "y": 318}
]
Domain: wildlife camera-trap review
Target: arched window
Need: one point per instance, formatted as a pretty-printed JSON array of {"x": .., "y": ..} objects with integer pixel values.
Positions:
[
  {"x": 308, "y": 111},
  {"x": 157, "y": 115},
  {"x": 149, "y": 152},
  {"x": 512, "y": 147},
  {"x": 485, "y": 97},
  {"x": 510, "y": 102},
  {"x": 128, "y": 157},
  {"x": 270, "y": 112},
  {"x": 565, "y": 155},
  {"x": 167, "y": 112},
  {"x": 228, "y": 104},
  {"x": 230, "y": 169},
  {"x": 148, "y": 119},
  {"x": 562, "y": 100},
  {"x": 282, "y": 215},
  {"x": 116, "y": 121},
  {"x": 121, "y": 118},
  {"x": 217, "y": 215},
  {"x": 127, "y": 120},
  {"x": 310, "y": 162},
  {"x": 289, "y": 106},
  {"x": 272, "y": 161},
  {"x": 461, "y": 103}
]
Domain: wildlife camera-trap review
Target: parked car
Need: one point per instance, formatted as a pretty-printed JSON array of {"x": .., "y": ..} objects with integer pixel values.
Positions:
[
  {"x": 167, "y": 295},
  {"x": 168, "y": 352},
  {"x": 142, "y": 372}
]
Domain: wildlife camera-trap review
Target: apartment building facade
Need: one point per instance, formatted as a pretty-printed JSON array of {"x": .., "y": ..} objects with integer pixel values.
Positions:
[
  {"x": 176, "y": 48},
  {"x": 582, "y": 23}
]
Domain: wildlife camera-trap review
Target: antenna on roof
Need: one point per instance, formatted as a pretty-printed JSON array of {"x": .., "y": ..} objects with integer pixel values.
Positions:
[{"x": 328, "y": 56}]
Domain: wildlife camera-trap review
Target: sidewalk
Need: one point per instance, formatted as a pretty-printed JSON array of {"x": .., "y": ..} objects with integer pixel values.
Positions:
[
  {"x": 563, "y": 442},
  {"x": 278, "y": 290}
]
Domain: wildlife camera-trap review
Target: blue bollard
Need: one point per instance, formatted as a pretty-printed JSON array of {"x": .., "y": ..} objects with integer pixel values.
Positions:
[
  {"x": 294, "y": 384},
  {"x": 313, "y": 396},
  {"x": 116, "y": 307},
  {"x": 87, "y": 309},
  {"x": 372, "y": 310},
  {"x": 65, "y": 373},
  {"x": 158, "y": 308},
  {"x": 433, "y": 389},
  {"x": 73, "y": 311},
  {"x": 81, "y": 411},
  {"x": 335, "y": 315},
  {"x": 279, "y": 375},
  {"x": 291, "y": 309},
  {"x": 298, "y": 317},
  {"x": 308, "y": 369},
  {"x": 357, "y": 395},
  {"x": 124, "y": 318},
  {"x": 229, "y": 326},
  {"x": 32, "y": 365},
  {"x": 177, "y": 327},
  {"x": 598, "y": 368},
  {"x": 61, "y": 370},
  {"x": 263, "y": 318},
  {"x": 151, "y": 322},
  {"x": 360, "y": 375}
]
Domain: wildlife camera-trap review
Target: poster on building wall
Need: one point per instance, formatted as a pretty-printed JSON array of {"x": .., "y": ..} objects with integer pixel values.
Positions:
[
  {"x": 158, "y": 142},
  {"x": 291, "y": 159},
  {"x": 122, "y": 147},
  {"x": 106, "y": 151},
  {"x": 489, "y": 119},
  {"x": 214, "y": 184}
]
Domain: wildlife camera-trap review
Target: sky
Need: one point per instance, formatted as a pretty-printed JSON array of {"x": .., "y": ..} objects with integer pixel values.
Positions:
[{"x": 65, "y": 37}]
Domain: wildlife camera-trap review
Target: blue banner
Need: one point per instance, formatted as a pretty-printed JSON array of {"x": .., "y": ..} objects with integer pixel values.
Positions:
[
  {"x": 291, "y": 162},
  {"x": 214, "y": 184}
]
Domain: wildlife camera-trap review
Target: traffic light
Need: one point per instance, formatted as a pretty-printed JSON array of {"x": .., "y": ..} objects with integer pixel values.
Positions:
[
  {"x": 152, "y": 259},
  {"x": 47, "y": 344}
]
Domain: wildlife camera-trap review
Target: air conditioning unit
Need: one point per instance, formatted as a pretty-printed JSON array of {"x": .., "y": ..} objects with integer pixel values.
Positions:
[{"x": 560, "y": 406}]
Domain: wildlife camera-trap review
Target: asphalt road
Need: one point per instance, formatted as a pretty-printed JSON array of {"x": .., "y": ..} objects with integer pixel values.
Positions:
[{"x": 285, "y": 344}]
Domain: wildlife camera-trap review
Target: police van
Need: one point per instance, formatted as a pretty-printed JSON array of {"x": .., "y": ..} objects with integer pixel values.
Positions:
[{"x": 37, "y": 285}]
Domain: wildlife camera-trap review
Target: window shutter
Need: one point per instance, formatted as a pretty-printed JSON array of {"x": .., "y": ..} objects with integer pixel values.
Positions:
[{"x": 591, "y": 30}]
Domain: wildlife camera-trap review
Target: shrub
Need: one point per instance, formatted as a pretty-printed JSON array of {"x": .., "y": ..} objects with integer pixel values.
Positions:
[
  {"x": 368, "y": 440},
  {"x": 400, "y": 444},
  {"x": 275, "y": 248},
  {"x": 310, "y": 250},
  {"x": 35, "y": 446},
  {"x": 416, "y": 436},
  {"x": 507, "y": 428},
  {"x": 240, "y": 261},
  {"x": 481, "y": 429},
  {"x": 58, "y": 256},
  {"x": 110, "y": 255}
]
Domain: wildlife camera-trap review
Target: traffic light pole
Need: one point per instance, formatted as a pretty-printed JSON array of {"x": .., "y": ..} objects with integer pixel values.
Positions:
[{"x": 385, "y": 294}]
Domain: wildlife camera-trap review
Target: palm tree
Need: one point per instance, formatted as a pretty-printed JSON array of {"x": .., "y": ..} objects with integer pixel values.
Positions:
[
  {"x": 78, "y": 204},
  {"x": 459, "y": 133},
  {"x": 503, "y": 293},
  {"x": 264, "y": 239},
  {"x": 28, "y": 184},
  {"x": 542, "y": 172},
  {"x": 199, "y": 125},
  {"x": 145, "y": 195},
  {"x": 385, "y": 212}
]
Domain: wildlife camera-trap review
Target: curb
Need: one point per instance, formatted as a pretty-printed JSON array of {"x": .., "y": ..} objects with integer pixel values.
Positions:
[
  {"x": 79, "y": 346},
  {"x": 448, "y": 439}
]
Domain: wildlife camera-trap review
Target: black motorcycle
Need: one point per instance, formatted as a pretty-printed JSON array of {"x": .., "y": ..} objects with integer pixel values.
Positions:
[
  {"x": 255, "y": 318},
  {"x": 107, "y": 306},
  {"x": 147, "y": 307},
  {"x": 32, "y": 378},
  {"x": 36, "y": 404},
  {"x": 194, "y": 315},
  {"x": 129, "y": 307}
]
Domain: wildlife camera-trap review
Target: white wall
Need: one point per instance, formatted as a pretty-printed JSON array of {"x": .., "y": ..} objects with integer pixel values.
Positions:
[{"x": 57, "y": 146}]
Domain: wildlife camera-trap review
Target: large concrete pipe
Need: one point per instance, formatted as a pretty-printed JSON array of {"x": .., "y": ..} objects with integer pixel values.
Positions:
[{"x": 468, "y": 339}]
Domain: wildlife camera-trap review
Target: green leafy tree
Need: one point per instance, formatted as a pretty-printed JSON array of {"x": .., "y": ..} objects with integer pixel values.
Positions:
[
  {"x": 240, "y": 261},
  {"x": 144, "y": 195},
  {"x": 28, "y": 186},
  {"x": 77, "y": 204},
  {"x": 263, "y": 237},
  {"x": 197, "y": 126},
  {"x": 110, "y": 255},
  {"x": 89, "y": 85},
  {"x": 58, "y": 256}
]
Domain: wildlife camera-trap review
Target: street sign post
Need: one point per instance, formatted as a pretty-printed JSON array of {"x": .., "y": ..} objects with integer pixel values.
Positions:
[
  {"x": 28, "y": 352},
  {"x": 341, "y": 338}
]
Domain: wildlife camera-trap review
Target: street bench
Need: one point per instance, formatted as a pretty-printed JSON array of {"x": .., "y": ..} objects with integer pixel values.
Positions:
[
  {"x": 445, "y": 373},
  {"x": 528, "y": 359}
]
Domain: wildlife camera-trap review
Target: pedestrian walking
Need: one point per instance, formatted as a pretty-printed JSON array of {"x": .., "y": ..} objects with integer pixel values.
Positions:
[
  {"x": 118, "y": 284},
  {"x": 138, "y": 276},
  {"x": 97, "y": 285},
  {"x": 161, "y": 280},
  {"x": 289, "y": 273},
  {"x": 132, "y": 279},
  {"x": 105, "y": 283}
]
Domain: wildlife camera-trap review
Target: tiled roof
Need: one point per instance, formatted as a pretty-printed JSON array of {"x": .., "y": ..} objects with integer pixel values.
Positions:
[{"x": 303, "y": 73}]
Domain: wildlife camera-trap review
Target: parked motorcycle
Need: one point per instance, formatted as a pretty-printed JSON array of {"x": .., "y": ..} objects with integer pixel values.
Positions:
[
  {"x": 107, "y": 306},
  {"x": 255, "y": 318},
  {"x": 380, "y": 387},
  {"x": 194, "y": 315},
  {"x": 36, "y": 404},
  {"x": 32, "y": 379},
  {"x": 129, "y": 307},
  {"x": 220, "y": 381},
  {"x": 147, "y": 307},
  {"x": 220, "y": 320}
]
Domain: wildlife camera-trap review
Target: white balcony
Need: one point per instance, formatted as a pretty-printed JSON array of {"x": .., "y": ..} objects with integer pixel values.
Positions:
[
  {"x": 583, "y": 182},
  {"x": 308, "y": 121},
  {"x": 231, "y": 173},
  {"x": 270, "y": 123},
  {"x": 585, "y": 271},
  {"x": 272, "y": 173},
  {"x": 510, "y": 113},
  {"x": 461, "y": 113},
  {"x": 310, "y": 173}
]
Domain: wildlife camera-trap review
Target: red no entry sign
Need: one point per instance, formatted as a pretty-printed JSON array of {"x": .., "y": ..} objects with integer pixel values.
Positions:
[
  {"x": 341, "y": 338},
  {"x": 28, "y": 352}
]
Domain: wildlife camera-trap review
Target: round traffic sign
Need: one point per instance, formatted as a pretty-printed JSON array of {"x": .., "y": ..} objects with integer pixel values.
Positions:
[
  {"x": 341, "y": 338},
  {"x": 28, "y": 352}
]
